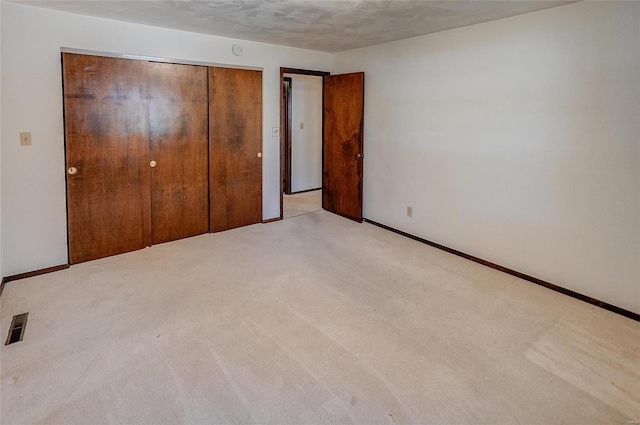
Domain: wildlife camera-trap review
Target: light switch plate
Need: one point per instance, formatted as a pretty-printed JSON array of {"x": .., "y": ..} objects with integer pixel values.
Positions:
[
  {"x": 25, "y": 139},
  {"x": 275, "y": 132}
]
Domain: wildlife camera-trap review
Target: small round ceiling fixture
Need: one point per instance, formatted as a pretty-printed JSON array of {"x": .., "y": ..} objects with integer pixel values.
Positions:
[{"x": 237, "y": 49}]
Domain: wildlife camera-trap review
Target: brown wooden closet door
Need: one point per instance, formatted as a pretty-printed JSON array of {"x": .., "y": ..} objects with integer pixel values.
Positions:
[
  {"x": 343, "y": 144},
  {"x": 179, "y": 143},
  {"x": 235, "y": 137},
  {"x": 107, "y": 153}
]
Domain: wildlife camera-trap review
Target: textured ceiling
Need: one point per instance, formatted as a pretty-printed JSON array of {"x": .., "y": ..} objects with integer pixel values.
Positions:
[{"x": 324, "y": 25}]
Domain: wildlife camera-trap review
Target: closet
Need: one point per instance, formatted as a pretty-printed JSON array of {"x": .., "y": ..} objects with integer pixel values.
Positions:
[{"x": 157, "y": 152}]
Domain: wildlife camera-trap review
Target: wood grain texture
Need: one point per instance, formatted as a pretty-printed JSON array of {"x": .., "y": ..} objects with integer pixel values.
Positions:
[
  {"x": 179, "y": 143},
  {"x": 343, "y": 141},
  {"x": 288, "y": 84},
  {"x": 107, "y": 140},
  {"x": 235, "y": 137}
]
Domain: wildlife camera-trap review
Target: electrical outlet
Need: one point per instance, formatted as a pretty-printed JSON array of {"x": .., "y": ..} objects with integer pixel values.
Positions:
[
  {"x": 409, "y": 211},
  {"x": 25, "y": 139},
  {"x": 275, "y": 132}
]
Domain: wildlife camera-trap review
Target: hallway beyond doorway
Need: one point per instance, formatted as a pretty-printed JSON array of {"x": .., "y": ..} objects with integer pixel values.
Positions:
[{"x": 301, "y": 203}]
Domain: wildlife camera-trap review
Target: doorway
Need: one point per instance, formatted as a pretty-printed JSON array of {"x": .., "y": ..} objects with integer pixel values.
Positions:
[
  {"x": 342, "y": 141},
  {"x": 301, "y": 141}
]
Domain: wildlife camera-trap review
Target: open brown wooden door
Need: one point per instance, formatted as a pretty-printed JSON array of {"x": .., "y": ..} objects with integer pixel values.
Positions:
[
  {"x": 343, "y": 144},
  {"x": 235, "y": 145},
  {"x": 106, "y": 106},
  {"x": 179, "y": 143}
]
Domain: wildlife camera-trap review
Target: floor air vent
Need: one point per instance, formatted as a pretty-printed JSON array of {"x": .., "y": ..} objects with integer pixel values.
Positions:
[{"x": 16, "y": 331}]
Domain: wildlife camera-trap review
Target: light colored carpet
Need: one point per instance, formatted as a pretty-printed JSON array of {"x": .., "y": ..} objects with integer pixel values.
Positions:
[
  {"x": 301, "y": 203},
  {"x": 315, "y": 319}
]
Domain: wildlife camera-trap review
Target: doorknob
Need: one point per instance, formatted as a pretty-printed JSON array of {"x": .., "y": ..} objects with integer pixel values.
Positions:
[
  {"x": 259, "y": 154},
  {"x": 153, "y": 164},
  {"x": 72, "y": 170},
  {"x": 358, "y": 155}
]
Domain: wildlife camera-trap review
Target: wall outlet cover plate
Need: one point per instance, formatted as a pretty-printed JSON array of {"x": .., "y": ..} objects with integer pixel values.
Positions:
[{"x": 25, "y": 139}]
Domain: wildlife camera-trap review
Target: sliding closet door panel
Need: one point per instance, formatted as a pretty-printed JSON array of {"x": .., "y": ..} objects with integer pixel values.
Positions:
[
  {"x": 179, "y": 143},
  {"x": 107, "y": 153},
  {"x": 235, "y": 137}
]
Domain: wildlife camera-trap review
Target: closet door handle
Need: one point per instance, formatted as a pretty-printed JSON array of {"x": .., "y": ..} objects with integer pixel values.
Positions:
[
  {"x": 259, "y": 154},
  {"x": 72, "y": 170},
  {"x": 153, "y": 164}
]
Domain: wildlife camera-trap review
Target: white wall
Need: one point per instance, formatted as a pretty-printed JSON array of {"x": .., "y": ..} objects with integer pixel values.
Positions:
[
  {"x": 33, "y": 185},
  {"x": 516, "y": 141},
  {"x": 306, "y": 144},
  {"x": 1, "y": 7}
]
